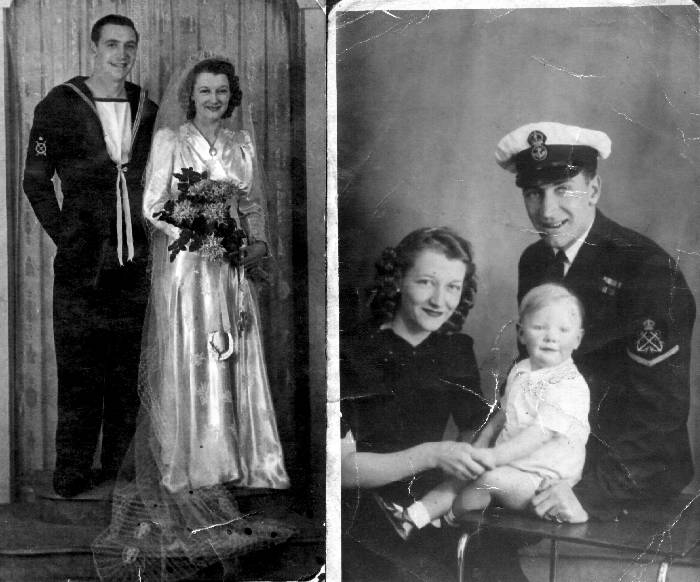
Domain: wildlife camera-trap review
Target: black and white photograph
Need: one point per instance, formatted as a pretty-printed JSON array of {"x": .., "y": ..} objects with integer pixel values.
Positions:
[
  {"x": 368, "y": 290},
  {"x": 162, "y": 291},
  {"x": 518, "y": 273}
]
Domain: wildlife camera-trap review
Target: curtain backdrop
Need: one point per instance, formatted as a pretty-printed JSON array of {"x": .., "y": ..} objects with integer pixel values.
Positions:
[{"x": 48, "y": 43}]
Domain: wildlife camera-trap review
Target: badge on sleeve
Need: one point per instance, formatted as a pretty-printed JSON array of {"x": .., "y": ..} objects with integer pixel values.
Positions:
[
  {"x": 650, "y": 344},
  {"x": 40, "y": 146}
]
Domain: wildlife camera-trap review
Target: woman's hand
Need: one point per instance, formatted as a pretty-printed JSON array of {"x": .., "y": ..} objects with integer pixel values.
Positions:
[
  {"x": 457, "y": 459},
  {"x": 369, "y": 470},
  {"x": 556, "y": 501},
  {"x": 485, "y": 457}
]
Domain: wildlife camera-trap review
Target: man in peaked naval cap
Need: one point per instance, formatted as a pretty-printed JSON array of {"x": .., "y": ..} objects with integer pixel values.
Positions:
[
  {"x": 639, "y": 314},
  {"x": 95, "y": 133}
]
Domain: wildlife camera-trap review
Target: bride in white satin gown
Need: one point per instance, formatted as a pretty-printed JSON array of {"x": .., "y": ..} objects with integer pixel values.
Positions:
[
  {"x": 213, "y": 419},
  {"x": 207, "y": 424}
]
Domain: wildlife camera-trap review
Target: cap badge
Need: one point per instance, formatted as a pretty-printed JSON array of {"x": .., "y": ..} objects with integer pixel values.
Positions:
[{"x": 538, "y": 150}]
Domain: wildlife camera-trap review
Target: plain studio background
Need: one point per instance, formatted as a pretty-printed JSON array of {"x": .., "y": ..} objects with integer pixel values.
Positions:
[{"x": 423, "y": 98}]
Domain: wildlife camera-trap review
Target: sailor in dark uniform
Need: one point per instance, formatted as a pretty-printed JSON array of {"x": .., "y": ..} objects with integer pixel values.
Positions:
[
  {"x": 95, "y": 133},
  {"x": 635, "y": 354}
]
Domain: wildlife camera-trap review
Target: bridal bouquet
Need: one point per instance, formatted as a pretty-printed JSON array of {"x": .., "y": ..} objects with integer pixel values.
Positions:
[{"x": 202, "y": 211}]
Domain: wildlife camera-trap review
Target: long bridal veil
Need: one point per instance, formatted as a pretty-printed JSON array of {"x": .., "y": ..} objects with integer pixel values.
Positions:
[{"x": 158, "y": 532}]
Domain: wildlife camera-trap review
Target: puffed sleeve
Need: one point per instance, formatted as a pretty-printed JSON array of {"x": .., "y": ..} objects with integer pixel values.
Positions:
[
  {"x": 42, "y": 153},
  {"x": 355, "y": 377},
  {"x": 508, "y": 387},
  {"x": 564, "y": 407},
  {"x": 469, "y": 407},
  {"x": 159, "y": 178},
  {"x": 364, "y": 392},
  {"x": 250, "y": 207}
]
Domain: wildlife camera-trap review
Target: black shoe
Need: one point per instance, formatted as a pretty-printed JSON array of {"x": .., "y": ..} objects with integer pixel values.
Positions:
[
  {"x": 395, "y": 514},
  {"x": 70, "y": 484},
  {"x": 99, "y": 476}
]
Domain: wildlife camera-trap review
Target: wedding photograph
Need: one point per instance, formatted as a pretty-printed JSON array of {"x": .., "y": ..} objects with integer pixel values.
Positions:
[
  {"x": 518, "y": 259},
  {"x": 163, "y": 385}
]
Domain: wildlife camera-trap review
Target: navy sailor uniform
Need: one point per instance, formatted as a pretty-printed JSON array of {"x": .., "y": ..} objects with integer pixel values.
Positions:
[{"x": 98, "y": 303}]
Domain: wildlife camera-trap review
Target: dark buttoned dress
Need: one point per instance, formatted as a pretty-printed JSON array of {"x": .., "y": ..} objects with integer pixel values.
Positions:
[{"x": 395, "y": 396}]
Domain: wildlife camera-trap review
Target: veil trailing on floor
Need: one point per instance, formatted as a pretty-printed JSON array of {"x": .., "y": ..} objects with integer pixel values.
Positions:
[{"x": 158, "y": 532}]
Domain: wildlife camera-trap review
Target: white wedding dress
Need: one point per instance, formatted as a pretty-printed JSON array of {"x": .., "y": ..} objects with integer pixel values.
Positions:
[
  {"x": 214, "y": 420},
  {"x": 207, "y": 433}
]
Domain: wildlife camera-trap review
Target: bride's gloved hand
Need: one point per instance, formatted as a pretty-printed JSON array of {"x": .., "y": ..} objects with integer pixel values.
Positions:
[
  {"x": 254, "y": 253},
  {"x": 253, "y": 261}
]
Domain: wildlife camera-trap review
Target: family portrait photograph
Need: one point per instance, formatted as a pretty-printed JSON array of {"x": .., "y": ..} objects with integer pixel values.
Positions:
[{"x": 517, "y": 241}]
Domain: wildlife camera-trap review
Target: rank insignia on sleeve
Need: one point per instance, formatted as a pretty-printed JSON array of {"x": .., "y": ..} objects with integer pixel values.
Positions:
[
  {"x": 649, "y": 345},
  {"x": 40, "y": 146},
  {"x": 610, "y": 286}
]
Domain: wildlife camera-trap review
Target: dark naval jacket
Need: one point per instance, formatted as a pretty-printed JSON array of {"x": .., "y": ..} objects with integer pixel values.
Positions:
[
  {"x": 635, "y": 355},
  {"x": 67, "y": 138}
]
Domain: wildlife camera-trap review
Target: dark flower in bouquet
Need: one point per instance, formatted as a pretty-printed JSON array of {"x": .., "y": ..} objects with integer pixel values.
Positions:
[{"x": 202, "y": 211}]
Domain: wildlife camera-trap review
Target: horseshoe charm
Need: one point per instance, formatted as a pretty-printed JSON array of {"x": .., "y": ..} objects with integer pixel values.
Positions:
[{"x": 217, "y": 354}]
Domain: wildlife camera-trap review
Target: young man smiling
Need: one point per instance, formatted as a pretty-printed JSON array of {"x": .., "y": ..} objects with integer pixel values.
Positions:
[
  {"x": 635, "y": 352},
  {"x": 94, "y": 133}
]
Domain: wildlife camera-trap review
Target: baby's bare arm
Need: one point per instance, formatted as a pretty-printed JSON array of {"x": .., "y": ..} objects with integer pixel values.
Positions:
[
  {"x": 522, "y": 445},
  {"x": 491, "y": 430}
]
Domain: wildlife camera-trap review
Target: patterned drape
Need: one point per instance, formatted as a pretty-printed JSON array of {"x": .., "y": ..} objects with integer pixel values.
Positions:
[{"x": 48, "y": 42}]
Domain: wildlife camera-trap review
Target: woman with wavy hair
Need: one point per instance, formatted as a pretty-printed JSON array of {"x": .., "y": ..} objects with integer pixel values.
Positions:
[
  {"x": 403, "y": 374},
  {"x": 207, "y": 428}
]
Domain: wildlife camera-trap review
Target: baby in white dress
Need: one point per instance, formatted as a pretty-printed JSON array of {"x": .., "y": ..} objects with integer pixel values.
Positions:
[{"x": 541, "y": 428}]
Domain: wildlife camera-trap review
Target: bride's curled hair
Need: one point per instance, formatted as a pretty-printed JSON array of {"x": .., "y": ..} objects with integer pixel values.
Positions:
[
  {"x": 395, "y": 261},
  {"x": 215, "y": 66}
]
